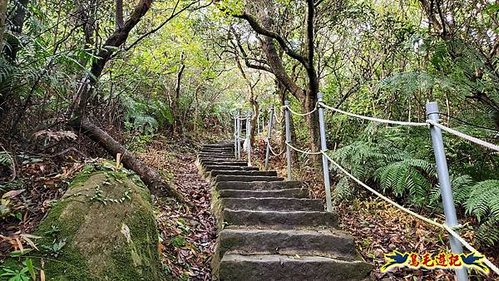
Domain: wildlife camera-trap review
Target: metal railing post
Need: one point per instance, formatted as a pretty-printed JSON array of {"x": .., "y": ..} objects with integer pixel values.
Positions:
[
  {"x": 235, "y": 137},
  {"x": 238, "y": 134},
  {"x": 325, "y": 161},
  {"x": 248, "y": 138},
  {"x": 269, "y": 136},
  {"x": 288, "y": 137},
  {"x": 445, "y": 187}
]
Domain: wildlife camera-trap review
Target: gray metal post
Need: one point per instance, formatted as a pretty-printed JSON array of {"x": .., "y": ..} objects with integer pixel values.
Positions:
[
  {"x": 288, "y": 138},
  {"x": 325, "y": 161},
  {"x": 235, "y": 137},
  {"x": 445, "y": 187},
  {"x": 269, "y": 136},
  {"x": 248, "y": 138},
  {"x": 238, "y": 134}
]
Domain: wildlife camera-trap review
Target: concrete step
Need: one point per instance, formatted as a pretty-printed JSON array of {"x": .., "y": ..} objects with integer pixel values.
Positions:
[
  {"x": 255, "y": 173},
  {"x": 227, "y": 152},
  {"x": 234, "y": 267},
  {"x": 222, "y": 162},
  {"x": 217, "y": 150},
  {"x": 240, "y": 185},
  {"x": 273, "y": 204},
  {"x": 216, "y": 155},
  {"x": 229, "y": 168},
  {"x": 219, "y": 145},
  {"x": 289, "y": 193},
  {"x": 275, "y": 219},
  {"x": 326, "y": 243},
  {"x": 221, "y": 178}
]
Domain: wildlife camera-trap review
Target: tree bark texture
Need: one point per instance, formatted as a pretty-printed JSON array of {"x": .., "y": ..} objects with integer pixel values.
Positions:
[
  {"x": 3, "y": 16},
  {"x": 80, "y": 122},
  {"x": 117, "y": 39},
  {"x": 148, "y": 175}
]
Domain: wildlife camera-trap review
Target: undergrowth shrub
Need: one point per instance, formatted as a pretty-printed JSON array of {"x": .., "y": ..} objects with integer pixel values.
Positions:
[{"x": 385, "y": 160}]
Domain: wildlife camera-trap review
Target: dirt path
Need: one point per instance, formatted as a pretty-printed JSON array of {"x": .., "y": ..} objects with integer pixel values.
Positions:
[{"x": 188, "y": 234}]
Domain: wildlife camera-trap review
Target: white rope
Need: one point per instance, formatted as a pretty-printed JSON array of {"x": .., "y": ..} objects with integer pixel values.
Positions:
[
  {"x": 272, "y": 150},
  {"x": 464, "y": 136},
  {"x": 241, "y": 118},
  {"x": 451, "y": 231},
  {"x": 381, "y": 195},
  {"x": 425, "y": 219},
  {"x": 385, "y": 121},
  {"x": 299, "y": 113},
  {"x": 303, "y": 151}
]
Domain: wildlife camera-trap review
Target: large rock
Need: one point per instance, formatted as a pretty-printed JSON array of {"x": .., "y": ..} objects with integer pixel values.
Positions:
[{"x": 107, "y": 223}]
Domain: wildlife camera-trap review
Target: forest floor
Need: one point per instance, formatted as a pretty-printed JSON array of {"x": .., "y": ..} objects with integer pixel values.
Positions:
[{"x": 188, "y": 234}]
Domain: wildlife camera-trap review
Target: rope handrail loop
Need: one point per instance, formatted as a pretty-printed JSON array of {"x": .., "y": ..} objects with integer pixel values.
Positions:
[
  {"x": 449, "y": 229},
  {"x": 374, "y": 119},
  {"x": 303, "y": 151},
  {"x": 299, "y": 113},
  {"x": 465, "y": 136},
  {"x": 242, "y": 118},
  {"x": 271, "y": 149}
]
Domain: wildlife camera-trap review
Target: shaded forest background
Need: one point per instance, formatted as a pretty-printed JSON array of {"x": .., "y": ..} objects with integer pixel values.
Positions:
[{"x": 89, "y": 78}]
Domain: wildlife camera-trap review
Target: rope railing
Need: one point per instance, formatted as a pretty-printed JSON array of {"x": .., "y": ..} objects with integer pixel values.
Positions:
[
  {"x": 451, "y": 225},
  {"x": 449, "y": 229},
  {"x": 374, "y": 119},
  {"x": 271, "y": 149},
  {"x": 299, "y": 113},
  {"x": 407, "y": 123},
  {"x": 465, "y": 136},
  {"x": 303, "y": 151}
]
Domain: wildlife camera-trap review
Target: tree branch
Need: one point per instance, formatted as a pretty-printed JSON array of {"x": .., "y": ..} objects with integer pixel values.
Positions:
[{"x": 258, "y": 28}]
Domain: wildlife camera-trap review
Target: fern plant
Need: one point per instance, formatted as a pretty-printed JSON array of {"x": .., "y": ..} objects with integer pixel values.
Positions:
[
  {"x": 483, "y": 200},
  {"x": 483, "y": 203},
  {"x": 5, "y": 159},
  {"x": 410, "y": 178}
]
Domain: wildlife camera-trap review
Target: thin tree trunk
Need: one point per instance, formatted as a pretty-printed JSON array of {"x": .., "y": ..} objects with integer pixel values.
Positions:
[
  {"x": 120, "y": 23},
  {"x": 148, "y": 175},
  {"x": 81, "y": 122},
  {"x": 313, "y": 125},
  {"x": 3, "y": 16},
  {"x": 17, "y": 28},
  {"x": 176, "y": 103},
  {"x": 254, "y": 119}
]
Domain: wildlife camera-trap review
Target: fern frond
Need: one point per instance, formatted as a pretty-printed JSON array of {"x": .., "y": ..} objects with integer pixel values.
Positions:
[
  {"x": 488, "y": 232},
  {"x": 411, "y": 177},
  {"x": 5, "y": 159},
  {"x": 484, "y": 199},
  {"x": 343, "y": 190}
]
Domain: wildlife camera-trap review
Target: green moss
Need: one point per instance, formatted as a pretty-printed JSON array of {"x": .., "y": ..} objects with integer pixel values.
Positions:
[
  {"x": 105, "y": 239},
  {"x": 217, "y": 208}
]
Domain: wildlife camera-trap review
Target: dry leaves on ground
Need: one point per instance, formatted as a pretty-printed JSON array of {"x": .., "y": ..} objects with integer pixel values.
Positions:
[{"x": 188, "y": 234}]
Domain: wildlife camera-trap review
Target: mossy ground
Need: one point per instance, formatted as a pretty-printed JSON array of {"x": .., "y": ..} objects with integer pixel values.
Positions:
[{"x": 106, "y": 225}]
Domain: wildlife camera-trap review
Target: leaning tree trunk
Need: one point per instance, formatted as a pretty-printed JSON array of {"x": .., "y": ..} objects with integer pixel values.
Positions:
[
  {"x": 81, "y": 122},
  {"x": 148, "y": 175}
]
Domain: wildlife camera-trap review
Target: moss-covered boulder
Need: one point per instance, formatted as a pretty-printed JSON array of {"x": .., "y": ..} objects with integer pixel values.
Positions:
[{"x": 102, "y": 229}]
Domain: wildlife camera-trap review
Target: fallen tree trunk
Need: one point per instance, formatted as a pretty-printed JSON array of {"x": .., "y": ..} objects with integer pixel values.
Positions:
[{"x": 149, "y": 176}]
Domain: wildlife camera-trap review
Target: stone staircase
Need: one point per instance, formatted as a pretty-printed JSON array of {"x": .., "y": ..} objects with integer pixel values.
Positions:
[{"x": 268, "y": 228}]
